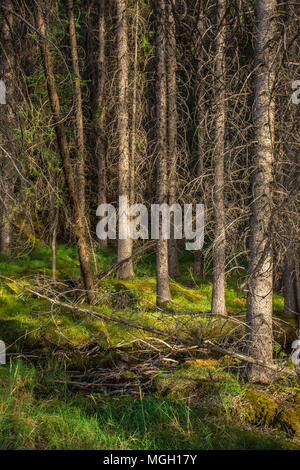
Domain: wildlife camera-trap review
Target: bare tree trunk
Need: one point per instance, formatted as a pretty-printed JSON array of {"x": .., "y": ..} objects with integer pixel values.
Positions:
[
  {"x": 100, "y": 110},
  {"x": 134, "y": 108},
  {"x": 78, "y": 112},
  {"x": 7, "y": 124},
  {"x": 53, "y": 228},
  {"x": 219, "y": 245},
  {"x": 291, "y": 280},
  {"x": 291, "y": 284},
  {"x": 124, "y": 245},
  {"x": 162, "y": 275},
  {"x": 197, "y": 269},
  {"x": 260, "y": 287},
  {"x": 79, "y": 226},
  {"x": 172, "y": 130}
]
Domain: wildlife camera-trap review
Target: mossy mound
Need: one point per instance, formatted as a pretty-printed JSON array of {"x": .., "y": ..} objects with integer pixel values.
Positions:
[
  {"x": 289, "y": 421},
  {"x": 261, "y": 409}
]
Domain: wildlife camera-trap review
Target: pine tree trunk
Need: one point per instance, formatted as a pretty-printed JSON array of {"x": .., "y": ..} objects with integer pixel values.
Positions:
[
  {"x": 172, "y": 131},
  {"x": 260, "y": 287},
  {"x": 100, "y": 110},
  {"x": 7, "y": 125},
  {"x": 124, "y": 245},
  {"x": 162, "y": 275},
  {"x": 79, "y": 226},
  {"x": 197, "y": 269},
  {"x": 291, "y": 284},
  {"x": 134, "y": 108},
  {"x": 78, "y": 112},
  {"x": 219, "y": 245}
]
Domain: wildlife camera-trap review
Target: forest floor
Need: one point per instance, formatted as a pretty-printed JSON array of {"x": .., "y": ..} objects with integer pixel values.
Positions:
[{"x": 73, "y": 381}]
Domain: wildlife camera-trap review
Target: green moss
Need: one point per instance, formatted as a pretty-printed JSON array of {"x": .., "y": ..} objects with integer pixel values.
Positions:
[
  {"x": 289, "y": 421},
  {"x": 261, "y": 409}
]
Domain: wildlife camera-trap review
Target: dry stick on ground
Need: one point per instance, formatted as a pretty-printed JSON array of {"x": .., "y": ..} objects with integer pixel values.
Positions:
[{"x": 206, "y": 344}]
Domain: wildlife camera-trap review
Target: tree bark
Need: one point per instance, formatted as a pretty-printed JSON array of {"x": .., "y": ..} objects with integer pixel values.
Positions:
[
  {"x": 100, "y": 109},
  {"x": 79, "y": 226},
  {"x": 124, "y": 245},
  {"x": 219, "y": 245},
  {"x": 78, "y": 112},
  {"x": 7, "y": 124},
  {"x": 197, "y": 269},
  {"x": 162, "y": 275},
  {"x": 260, "y": 286},
  {"x": 172, "y": 130}
]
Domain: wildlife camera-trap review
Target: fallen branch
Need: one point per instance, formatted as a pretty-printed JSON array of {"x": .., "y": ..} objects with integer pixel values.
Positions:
[{"x": 206, "y": 344}]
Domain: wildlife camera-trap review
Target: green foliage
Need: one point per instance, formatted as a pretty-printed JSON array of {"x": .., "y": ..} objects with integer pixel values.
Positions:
[{"x": 36, "y": 417}]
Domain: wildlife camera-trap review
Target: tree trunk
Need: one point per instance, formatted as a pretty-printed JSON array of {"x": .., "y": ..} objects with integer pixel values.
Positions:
[
  {"x": 134, "y": 108},
  {"x": 124, "y": 245},
  {"x": 79, "y": 226},
  {"x": 260, "y": 286},
  {"x": 100, "y": 110},
  {"x": 162, "y": 276},
  {"x": 78, "y": 112},
  {"x": 172, "y": 130},
  {"x": 7, "y": 124},
  {"x": 197, "y": 269},
  {"x": 291, "y": 284},
  {"x": 291, "y": 281},
  {"x": 53, "y": 228},
  {"x": 219, "y": 245}
]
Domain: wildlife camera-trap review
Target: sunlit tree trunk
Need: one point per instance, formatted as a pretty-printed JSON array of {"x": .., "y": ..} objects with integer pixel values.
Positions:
[
  {"x": 219, "y": 244},
  {"x": 124, "y": 245},
  {"x": 172, "y": 130},
  {"x": 200, "y": 111},
  {"x": 162, "y": 275},
  {"x": 260, "y": 286},
  {"x": 101, "y": 108}
]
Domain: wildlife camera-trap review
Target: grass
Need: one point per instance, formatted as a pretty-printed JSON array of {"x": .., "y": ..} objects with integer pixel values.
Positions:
[
  {"x": 60, "y": 420},
  {"x": 183, "y": 410}
]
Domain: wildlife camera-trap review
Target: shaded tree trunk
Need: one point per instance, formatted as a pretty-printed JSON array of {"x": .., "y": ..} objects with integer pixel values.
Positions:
[
  {"x": 197, "y": 268},
  {"x": 101, "y": 107},
  {"x": 291, "y": 283},
  {"x": 260, "y": 285},
  {"x": 219, "y": 245},
  {"x": 7, "y": 124},
  {"x": 172, "y": 130},
  {"x": 134, "y": 108},
  {"x": 162, "y": 276},
  {"x": 79, "y": 226},
  {"x": 78, "y": 111},
  {"x": 124, "y": 245}
]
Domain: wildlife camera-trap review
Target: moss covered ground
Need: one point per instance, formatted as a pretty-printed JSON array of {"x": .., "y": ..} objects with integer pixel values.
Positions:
[{"x": 194, "y": 403}]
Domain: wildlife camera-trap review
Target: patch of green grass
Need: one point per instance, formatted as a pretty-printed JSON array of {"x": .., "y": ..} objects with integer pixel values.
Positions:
[{"x": 59, "y": 420}]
